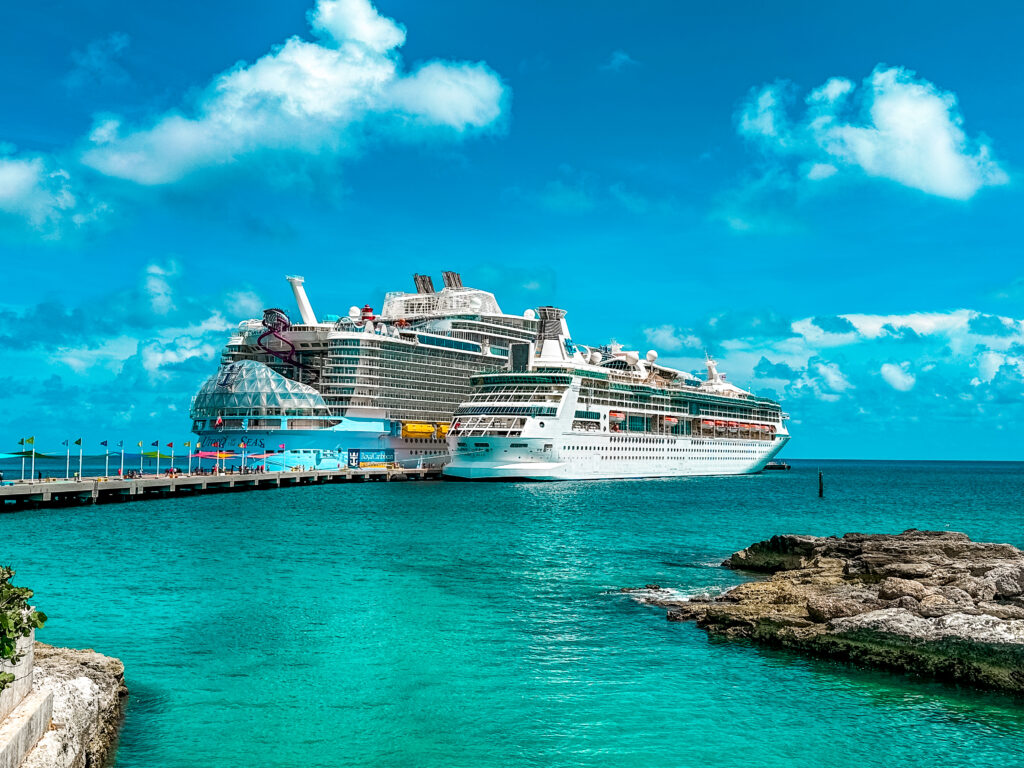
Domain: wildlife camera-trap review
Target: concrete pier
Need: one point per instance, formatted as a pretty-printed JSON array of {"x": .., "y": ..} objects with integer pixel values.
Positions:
[{"x": 64, "y": 493}]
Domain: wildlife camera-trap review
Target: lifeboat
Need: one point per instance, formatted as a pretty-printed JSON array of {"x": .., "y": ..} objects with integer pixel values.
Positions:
[
  {"x": 707, "y": 424},
  {"x": 417, "y": 429},
  {"x": 671, "y": 420},
  {"x": 442, "y": 430},
  {"x": 616, "y": 416},
  {"x": 719, "y": 423}
]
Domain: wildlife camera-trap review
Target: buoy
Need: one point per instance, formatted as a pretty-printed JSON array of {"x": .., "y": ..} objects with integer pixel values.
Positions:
[{"x": 821, "y": 485}]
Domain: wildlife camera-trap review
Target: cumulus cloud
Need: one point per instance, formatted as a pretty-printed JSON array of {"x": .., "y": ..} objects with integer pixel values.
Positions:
[
  {"x": 898, "y": 376},
  {"x": 312, "y": 98},
  {"x": 671, "y": 339},
  {"x": 895, "y": 126},
  {"x": 34, "y": 189}
]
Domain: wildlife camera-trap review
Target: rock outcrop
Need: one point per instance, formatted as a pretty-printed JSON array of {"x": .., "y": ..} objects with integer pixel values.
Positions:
[
  {"x": 924, "y": 602},
  {"x": 88, "y": 706}
]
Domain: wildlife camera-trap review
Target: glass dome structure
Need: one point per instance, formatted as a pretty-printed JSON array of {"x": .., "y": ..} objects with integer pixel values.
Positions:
[{"x": 248, "y": 388}]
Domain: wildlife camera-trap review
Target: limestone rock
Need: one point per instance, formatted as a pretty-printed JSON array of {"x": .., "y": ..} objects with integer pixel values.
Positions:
[
  {"x": 88, "y": 701},
  {"x": 926, "y": 602}
]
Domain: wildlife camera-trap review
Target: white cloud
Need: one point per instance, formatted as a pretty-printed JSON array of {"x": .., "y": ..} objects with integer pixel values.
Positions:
[
  {"x": 834, "y": 378},
  {"x": 110, "y": 353},
  {"x": 669, "y": 338},
  {"x": 161, "y": 295},
  {"x": 30, "y": 188},
  {"x": 895, "y": 126},
  {"x": 819, "y": 171},
  {"x": 155, "y": 355},
  {"x": 244, "y": 304},
  {"x": 898, "y": 377},
  {"x": 305, "y": 97}
]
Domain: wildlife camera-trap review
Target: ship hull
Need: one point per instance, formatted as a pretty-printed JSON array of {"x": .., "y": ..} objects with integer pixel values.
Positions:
[
  {"x": 600, "y": 459},
  {"x": 351, "y": 434}
]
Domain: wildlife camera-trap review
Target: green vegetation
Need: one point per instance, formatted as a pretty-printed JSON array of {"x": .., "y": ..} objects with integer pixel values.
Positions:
[{"x": 17, "y": 620}]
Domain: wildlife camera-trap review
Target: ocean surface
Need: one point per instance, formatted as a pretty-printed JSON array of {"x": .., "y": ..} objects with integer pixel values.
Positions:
[{"x": 450, "y": 624}]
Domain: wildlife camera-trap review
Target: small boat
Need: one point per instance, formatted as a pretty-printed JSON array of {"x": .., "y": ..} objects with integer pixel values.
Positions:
[{"x": 777, "y": 465}]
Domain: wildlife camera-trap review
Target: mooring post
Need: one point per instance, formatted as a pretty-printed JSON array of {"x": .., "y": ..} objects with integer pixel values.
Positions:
[{"x": 821, "y": 485}]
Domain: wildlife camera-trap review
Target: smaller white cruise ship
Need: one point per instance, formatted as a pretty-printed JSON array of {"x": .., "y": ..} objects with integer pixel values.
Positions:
[{"x": 562, "y": 411}]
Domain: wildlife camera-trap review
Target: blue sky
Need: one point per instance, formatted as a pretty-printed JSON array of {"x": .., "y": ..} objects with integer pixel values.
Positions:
[{"x": 825, "y": 196}]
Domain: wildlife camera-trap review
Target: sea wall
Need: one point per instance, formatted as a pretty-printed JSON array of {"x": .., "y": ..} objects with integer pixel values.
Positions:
[{"x": 22, "y": 671}]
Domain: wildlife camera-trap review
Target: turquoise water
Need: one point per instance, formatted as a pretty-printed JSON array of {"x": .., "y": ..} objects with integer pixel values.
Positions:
[{"x": 442, "y": 624}]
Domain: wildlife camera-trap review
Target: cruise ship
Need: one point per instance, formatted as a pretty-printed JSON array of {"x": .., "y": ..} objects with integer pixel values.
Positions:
[
  {"x": 331, "y": 390},
  {"x": 562, "y": 411}
]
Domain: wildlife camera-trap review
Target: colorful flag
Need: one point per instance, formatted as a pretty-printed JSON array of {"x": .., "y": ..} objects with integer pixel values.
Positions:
[
  {"x": 170, "y": 445},
  {"x": 155, "y": 443},
  {"x": 30, "y": 441},
  {"x": 140, "y": 443},
  {"x": 218, "y": 422},
  {"x": 21, "y": 442},
  {"x": 65, "y": 442},
  {"x": 241, "y": 445},
  {"x": 78, "y": 441},
  {"x": 120, "y": 443},
  {"x": 281, "y": 446},
  {"x": 188, "y": 444},
  {"x": 216, "y": 445},
  {"x": 104, "y": 443}
]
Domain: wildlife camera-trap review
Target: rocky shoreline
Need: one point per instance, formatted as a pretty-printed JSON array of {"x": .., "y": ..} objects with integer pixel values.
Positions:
[
  {"x": 89, "y": 695},
  {"x": 923, "y": 602}
]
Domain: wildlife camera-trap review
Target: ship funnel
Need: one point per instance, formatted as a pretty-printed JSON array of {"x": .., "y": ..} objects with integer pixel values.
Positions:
[
  {"x": 300, "y": 298},
  {"x": 452, "y": 279},
  {"x": 553, "y": 341},
  {"x": 424, "y": 284}
]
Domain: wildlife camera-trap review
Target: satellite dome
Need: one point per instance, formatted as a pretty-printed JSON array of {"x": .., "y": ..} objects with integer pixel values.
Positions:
[
  {"x": 530, "y": 314},
  {"x": 652, "y": 355}
]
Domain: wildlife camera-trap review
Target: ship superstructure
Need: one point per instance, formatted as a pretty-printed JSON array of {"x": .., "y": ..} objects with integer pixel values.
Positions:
[
  {"x": 356, "y": 382},
  {"x": 562, "y": 411}
]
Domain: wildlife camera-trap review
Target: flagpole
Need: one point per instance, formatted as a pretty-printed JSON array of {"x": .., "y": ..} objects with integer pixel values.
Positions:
[
  {"x": 172, "y": 457},
  {"x": 32, "y": 472},
  {"x": 158, "y": 457},
  {"x": 190, "y": 457},
  {"x": 122, "y": 459},
  {"x": 67, "y": 467},
  {"x": 141, "y": 456},
  {"x": 106, "y": 462},
  {"x": 79, "y": 460}
]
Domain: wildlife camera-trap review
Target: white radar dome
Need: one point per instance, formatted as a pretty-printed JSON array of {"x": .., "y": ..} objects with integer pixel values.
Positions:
[
  {"x": 633, "y": 357},
  {"x": 595, "y": 357},
  {"x": 529, "y": 314},
  {"x": 651, "y": 356},
  {"x": 355, "y": 313}
]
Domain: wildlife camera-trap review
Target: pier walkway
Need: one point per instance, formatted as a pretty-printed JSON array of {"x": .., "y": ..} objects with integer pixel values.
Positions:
[{"x": 63, "y": 493}]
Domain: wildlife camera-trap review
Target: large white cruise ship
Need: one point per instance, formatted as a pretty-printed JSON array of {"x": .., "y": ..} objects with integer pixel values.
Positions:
[
  {"x": 321, "y": 391},
  {"x": 561, "y": 411}
]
